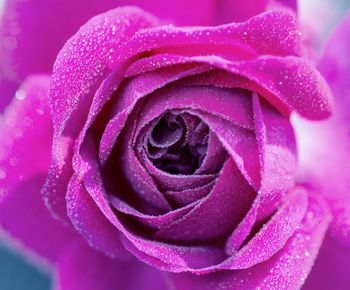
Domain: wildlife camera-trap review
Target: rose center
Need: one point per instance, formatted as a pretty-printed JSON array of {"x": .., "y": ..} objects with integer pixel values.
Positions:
[{"x": 178, "y": 143}]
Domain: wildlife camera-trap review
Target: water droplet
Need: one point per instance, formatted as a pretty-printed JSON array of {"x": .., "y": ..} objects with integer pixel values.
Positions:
[
  {"x": 20, "y": 94},
  {"x": 2, "y": 174}
]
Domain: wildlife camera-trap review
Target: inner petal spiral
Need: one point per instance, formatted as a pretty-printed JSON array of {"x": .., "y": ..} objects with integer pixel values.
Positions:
[{"x": 178, "y": 143}]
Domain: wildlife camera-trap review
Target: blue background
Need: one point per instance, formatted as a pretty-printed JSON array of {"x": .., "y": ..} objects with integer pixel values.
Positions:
[{"x": 17, "y": 274}]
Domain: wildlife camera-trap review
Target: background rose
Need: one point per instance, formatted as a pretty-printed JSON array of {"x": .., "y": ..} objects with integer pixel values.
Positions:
[{"x": 180, "y": 280}]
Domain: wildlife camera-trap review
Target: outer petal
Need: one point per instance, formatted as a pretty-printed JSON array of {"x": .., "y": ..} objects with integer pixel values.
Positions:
[
  {"x": 25, "y": 141},
  {"x": 82, "y": 268},
  {"x": 285, "y": 270},
  {"x": 79, "y": 70},
  {"x": 236, "y": 10},
  {"x": 32, "y": 32},
  {"x": 327, "y": 144},
  {"x": 26, "y": 25},
  {"x": 331, "y": 269}
]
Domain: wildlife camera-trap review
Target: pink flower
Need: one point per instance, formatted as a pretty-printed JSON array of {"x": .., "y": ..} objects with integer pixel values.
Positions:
[{"x": 171, "y": 158}]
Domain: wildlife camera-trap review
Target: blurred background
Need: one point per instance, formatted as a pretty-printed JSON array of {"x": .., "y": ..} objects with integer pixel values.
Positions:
[{"x": 16, "y": 273}]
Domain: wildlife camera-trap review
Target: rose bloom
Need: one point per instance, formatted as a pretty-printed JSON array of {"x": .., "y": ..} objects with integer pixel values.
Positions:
[{"x": 162, "y": 156}]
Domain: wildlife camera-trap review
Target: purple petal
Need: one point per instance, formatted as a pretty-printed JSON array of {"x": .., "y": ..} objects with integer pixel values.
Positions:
[
  {"x": 331, "y": 269},
  {"x": 236, "y": 10},
  {"x": 272, "y": 33},
  {"x": 185, "y": 197},
  {"x": 83, "y": 268},
  {"x": 273, "y": 236},
  {"x": 287, "y": 269},
  {"x": 240, "y": 143},
  {"x": 153, "y": 221},
  {"x": 324, "y": 147},
  {"x": 136, "y": 89},
  {"x": 91, "y": 223},
  {"x": 277, "y": 154},
  {"x": 230, "y": 196},
  {"x": 25, "y": 141},
  {"x": 79, "y": 69},
  {"x": 164, "y": 256},
  {"x": 305, "y": 92}
]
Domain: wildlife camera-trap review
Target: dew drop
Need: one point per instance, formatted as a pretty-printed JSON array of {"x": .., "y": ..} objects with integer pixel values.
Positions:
[{"x": 20, "y": 94}]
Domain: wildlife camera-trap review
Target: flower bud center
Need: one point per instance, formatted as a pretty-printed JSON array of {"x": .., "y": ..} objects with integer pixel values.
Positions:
[{"x": 178, "y": 143}]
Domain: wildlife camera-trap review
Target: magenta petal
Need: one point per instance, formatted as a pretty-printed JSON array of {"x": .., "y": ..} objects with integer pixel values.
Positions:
[
  {"x": 270, "y": 33},
  {"x": 137, "y": 88},
  {"x": 34, "y": 23},
  {"x": 235, "y": 10},
  {"x": 305, "y": 92},
  {"x": 240, "y": 143},
  {"x": 90, "y": 222},
  {"x": 106, "y": 226},
  {"x": 138, "y": 177},
  {"x": 82, "y": 63},
  {"x": 179, "y": 12},
  {"x": 188, "y": 196},
  {"x": 88, "y": 199},
  {"x": 7, "y": 91},
  {"x": 153, "y": 221},
  {"x": 331, "y": 269},
  {"x": 327, "y": 144},
  {"x": 79, "y": 69},
  {"x": 273, "y": 235},
  {"x": 25, "y": 141},
  {"x": 83, "y": 268},
  {"x": 277, "y": 151},
  {"x": 230, "y": 196},
  {"x": 287, "y": 269},
  {"x": 32, "y": 33},
  {"x": 233, "y": 105}
]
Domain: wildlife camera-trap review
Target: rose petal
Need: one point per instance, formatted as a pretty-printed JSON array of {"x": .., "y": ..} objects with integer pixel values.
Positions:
[
  {"x": 276, "y": 144},
  {"x": 166, "y": 257},
  {"x": 331, "y": 269},
  {"x": 230, "y": 196},
  {"x": 305, "y": 92},
  {"x": 272, "y": 33},
  {"x": 287, "y": 269},
  {"x": 137, "y": 176},
  {"x": 83, "y": 268},
  {"x": 90, "y": 222},
  {"x": 79, "y": 69},
  {"x": 273, "y": 235},
  {"x": 231, "y": 105},
  {"x": 327, "y": 144},
  {"x": 26, "y": 26},
  {"x": 240, "y": 143},
  {"x": 185, "y": 197},
  {"x": 153, "y": 221},
  {"x": 136, "y": 89},
  {"x": 25, "y": 141}
]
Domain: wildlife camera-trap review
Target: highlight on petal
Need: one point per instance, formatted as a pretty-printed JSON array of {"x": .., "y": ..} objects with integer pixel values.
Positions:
[{"x": 25, "y": 142}]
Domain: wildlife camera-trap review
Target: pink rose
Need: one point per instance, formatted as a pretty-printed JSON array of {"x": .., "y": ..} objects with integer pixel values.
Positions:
[{"x": 172, "y": 145}]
